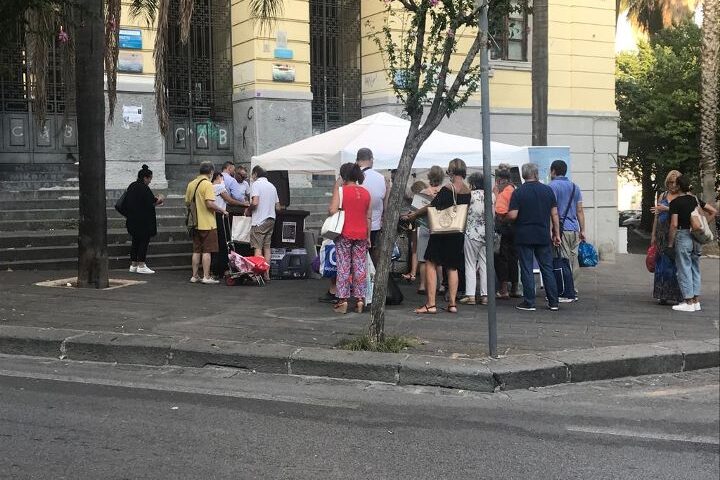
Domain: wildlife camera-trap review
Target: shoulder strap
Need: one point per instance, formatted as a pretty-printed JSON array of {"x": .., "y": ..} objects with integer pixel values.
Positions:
[
  {"x": 340, "y": 195},
  {"x": 454, "y": 195},
  {"x": 567, "y": 209},
  {"x": 196, "y": 189}
]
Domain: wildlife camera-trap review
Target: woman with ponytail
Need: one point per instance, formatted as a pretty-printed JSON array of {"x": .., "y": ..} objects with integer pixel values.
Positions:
[{"x": 141, "y": 223}]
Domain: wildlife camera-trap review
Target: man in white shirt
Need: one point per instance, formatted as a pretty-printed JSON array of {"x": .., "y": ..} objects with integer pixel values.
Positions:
[
  {"x": 378, "y": 186},
  {"x": 264, "y": 203}
]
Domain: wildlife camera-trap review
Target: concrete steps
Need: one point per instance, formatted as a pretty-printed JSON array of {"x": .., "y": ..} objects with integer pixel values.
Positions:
[
  {"x": 39, "y": 218},
  {"x": 116, "y": 221}
]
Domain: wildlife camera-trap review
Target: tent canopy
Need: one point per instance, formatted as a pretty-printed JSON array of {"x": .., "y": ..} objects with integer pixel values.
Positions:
[{"x": 385, "y": 135}]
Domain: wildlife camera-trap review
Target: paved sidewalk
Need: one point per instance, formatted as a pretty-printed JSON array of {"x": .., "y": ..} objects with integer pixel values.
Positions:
[{"x": 615, "y": 308}]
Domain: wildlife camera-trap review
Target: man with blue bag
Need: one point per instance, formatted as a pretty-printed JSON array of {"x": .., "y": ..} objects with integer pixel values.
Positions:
[
  {"x": 572, "y": 224},
  {"x": 533, "y": 209}
]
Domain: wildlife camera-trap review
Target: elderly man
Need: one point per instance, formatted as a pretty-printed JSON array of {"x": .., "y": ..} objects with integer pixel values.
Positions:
[
  {"x": 241, "y": 176},
  {"x": 378, "y": 186},
  {"x": 532, "y": 207},
  {"x": 234, "y": 189},
  {"x": 264, "y": 205},
  {"x": 200, "y": 191}
]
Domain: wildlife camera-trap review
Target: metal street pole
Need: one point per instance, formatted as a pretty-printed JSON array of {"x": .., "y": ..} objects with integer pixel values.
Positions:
[{"x": 487, "y": 173}]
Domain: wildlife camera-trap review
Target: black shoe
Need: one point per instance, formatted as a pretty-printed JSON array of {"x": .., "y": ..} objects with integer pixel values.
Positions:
[
  {"x": 553, "y": 308},
  {"x": 526, "y": 307},
  {"x": 327, "y": 298}
]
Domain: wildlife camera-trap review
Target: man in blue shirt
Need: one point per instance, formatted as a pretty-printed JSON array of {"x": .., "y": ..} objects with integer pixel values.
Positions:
[
  {"x": 532, "y": 207},
  {"x": 231, "y": 185},
  {"x": 572, "y": 223}
]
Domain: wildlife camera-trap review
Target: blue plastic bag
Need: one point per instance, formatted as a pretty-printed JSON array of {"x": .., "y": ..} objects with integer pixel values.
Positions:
[
  {"x": 328, "y": 259},
  {"x": 587, "y": 255}
]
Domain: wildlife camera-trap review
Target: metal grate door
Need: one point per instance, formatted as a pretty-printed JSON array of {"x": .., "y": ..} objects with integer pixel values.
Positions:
[{"x": 335, "y": 63}]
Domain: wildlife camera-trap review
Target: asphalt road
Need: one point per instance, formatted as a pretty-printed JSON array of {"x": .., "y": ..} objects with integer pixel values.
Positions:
[{"x": 64, "y": 420}]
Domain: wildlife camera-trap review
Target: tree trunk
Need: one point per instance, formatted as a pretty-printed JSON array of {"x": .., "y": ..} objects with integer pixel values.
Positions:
[
  {"x": 388, "y": 234},
  {"x": 710, "y": 68},
  {"x": 539, "y": 72},
  {"x": 89, "y": 87}
]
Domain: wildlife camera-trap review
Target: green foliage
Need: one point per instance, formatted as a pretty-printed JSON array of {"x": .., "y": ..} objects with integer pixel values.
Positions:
[
  {"x": 391, "y": 344},
  {"x": 418, "y": 42},
  {"x": 657, "y": 95}
]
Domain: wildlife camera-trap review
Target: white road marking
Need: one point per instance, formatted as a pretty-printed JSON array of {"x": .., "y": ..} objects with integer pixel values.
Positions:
[
  {"x": 667, "y": 392},
  {"x": 617, "y": 432}
]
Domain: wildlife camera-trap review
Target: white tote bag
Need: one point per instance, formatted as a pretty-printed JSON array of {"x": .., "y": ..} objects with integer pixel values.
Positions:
[
  {"x": 333, "y": 225},
  {"x": 241, "y": 229}
]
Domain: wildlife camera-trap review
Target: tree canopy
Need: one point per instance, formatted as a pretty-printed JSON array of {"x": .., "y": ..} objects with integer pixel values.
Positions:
[{"x": 657, "y": 95}]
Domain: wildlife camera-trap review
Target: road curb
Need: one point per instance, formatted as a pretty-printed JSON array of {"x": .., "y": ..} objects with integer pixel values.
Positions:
[{"x": 482, "y": 375}]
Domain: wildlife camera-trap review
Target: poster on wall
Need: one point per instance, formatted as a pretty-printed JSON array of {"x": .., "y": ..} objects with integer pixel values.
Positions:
[
  {"x": 283, "y": 73},
  {"x": 132, "y": 115},
  {"x": 130, "y": 62},
  {"x": 130, "y": 39},
  {"x": 543, "y": 158}
]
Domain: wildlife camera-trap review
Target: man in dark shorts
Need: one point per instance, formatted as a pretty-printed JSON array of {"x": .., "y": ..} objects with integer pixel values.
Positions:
[{"x": 204, "y": 237}]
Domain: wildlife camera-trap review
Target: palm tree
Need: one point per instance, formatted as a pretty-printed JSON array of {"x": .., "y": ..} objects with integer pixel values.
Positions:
[
  {"x": 88, "y": 34},
  {"x": 651, "y": 16},
  {"x": 709, "y": 70},
  {"x": 539, "y": 72}
]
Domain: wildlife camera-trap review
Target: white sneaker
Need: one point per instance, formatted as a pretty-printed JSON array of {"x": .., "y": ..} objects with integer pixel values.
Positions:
[
  {"x": 684, "y": 307},
  {"x": 210, "y": 281},
  {"x": 697, "y": 306},
  {"x": 133, "y": 269},
  {"x": 194, "y": 280},
  {"x": 144, "y": 269},
  {"x": 567, "y": 300}
]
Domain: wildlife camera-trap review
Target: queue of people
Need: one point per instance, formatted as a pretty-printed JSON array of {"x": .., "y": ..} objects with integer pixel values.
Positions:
[{"x": 534, "y": 223}]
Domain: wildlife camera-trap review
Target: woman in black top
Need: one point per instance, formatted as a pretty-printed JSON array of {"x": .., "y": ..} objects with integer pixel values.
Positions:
[
  {"x": 446, "y": 249},
  {"x": 686, "y": 250},
  {"x": 141, "y": 223}
]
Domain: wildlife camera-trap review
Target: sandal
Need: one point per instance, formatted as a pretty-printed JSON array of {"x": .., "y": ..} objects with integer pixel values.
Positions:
[
  {"x": 451, "y": 309},
  {"x": 502, "y": 296},
  {"x": 408, "y": 277},
  {"x": 360, "y": 307},
  {"x": 341, "y": 307},
  {"x": 426, "y": 310}
]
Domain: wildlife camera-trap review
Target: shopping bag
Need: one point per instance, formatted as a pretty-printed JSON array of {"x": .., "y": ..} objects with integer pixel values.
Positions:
[
  {"x": 369, "y": 280},
  {"x": 332, "y": 227},
  {"x": 241, "y": 229},
  {"x": 563, "y": 277},
  {"x": 328, "y": 259},
  {"x": 587, "y": 255},
  {"x": 651, "y": 258}
]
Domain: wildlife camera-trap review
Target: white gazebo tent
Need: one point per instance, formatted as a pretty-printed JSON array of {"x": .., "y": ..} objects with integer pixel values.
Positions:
[{"x": 385, "y": 135}]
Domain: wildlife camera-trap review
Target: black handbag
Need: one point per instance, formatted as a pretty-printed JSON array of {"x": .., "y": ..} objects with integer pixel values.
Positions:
[{"x": 121, "y": 204}]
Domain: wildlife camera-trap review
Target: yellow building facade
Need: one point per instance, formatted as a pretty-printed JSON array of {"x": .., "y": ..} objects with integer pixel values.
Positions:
[{"x": 235, "y": 91}]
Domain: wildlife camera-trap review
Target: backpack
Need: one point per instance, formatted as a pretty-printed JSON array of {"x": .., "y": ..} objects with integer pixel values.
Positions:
[{"x": 191, "y": 214}]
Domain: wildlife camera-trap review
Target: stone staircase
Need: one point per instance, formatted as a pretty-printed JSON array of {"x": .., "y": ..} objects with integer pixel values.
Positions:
[{"x": 39, "y": 218}]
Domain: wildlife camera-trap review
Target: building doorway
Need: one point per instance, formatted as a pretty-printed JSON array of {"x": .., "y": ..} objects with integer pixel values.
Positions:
[
  {"x": 335, "y": 63},
  {"x": 199, "y": 79}
]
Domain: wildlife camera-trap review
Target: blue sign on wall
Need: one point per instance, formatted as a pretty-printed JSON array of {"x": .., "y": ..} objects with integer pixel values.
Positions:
[
  {"x": 544, "y": 156},
  {"x": 131, "y": 39}
]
